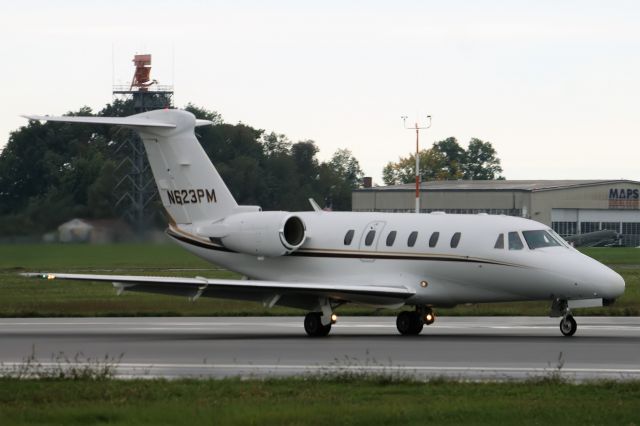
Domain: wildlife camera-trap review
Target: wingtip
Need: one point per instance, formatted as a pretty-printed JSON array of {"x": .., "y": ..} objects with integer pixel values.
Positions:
[{"x": 44, "y": 276}]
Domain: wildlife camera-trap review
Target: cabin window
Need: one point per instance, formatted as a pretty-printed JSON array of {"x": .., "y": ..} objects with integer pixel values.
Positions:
[
  {"x": 368, "y": 240},
  {"x": 391, "y": 238},
  {"x": 515, "y": 243},
  {"x": 455, "y": 240},
  {"x": 539, "y": 238},
  {"x": 499, "y": 242},
  {"x": 412, "y": 239},
  {"x": 349, "y": 237},
  {"x": 434, "y": 239}
]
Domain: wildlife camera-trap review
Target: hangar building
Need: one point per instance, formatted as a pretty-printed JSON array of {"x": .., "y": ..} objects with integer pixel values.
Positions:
[{"x": 570, "y": 207}]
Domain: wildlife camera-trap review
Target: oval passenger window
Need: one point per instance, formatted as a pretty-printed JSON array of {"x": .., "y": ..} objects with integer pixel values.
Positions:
[
  {"x": 455, "y": 240},
  {"x": 348, "y": 237},
  {"x": 412, "y": 239},
  {"x": 434, "y": 239},
  {"x": 369, "y": 238},
  {"x": 391, "y": 238}
]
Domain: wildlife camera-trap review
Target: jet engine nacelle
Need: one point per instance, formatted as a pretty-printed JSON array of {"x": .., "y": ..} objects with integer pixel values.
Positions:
[{"x": 268, "y": 234}]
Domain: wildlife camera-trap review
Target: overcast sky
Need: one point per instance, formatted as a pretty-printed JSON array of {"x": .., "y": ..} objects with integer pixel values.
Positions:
[{"x": 554, "y": 85}]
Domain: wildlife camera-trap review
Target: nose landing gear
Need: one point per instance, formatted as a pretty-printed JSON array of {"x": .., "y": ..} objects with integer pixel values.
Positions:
[{"x": 568, "y": 325}]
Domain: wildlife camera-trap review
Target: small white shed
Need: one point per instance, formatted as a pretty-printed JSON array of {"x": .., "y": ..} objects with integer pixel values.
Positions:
[{"x": 75, "y": 231}]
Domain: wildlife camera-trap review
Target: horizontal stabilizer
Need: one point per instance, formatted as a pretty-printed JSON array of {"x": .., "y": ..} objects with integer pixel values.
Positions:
[{"x": 131, "y": 121}]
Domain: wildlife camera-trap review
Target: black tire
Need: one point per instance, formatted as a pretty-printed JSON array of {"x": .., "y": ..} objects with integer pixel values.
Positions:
[
  {"x": 403, "y": 323},
  {"x": 313, "y": 325},
  {"x": 418, "y": 324},
  {"x": 409, "y": 323},
  {"x": 325, "y": 330},
  {"x": 568, "y": 326}
]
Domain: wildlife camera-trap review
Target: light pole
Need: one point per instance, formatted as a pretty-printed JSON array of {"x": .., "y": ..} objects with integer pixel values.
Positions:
[{"x": 417, "y": 129}]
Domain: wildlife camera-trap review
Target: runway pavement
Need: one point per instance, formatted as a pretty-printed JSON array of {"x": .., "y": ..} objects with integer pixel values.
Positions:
[{"x": 473, "y": 348}]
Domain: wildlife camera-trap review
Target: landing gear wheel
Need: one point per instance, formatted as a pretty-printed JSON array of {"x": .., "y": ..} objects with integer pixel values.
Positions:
[
  {"x": 409, "y": 323},
  {"x": 568, "y": 326},
  {"x": 313, "y": 325}
]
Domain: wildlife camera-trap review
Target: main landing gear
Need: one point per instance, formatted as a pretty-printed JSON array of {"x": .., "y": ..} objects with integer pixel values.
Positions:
[
  {"x": 318, "y": 323},
  {"x": 411, "y": 323},
  {"x": 313, "y": 325},
  {"x": 568, "y": 325}
]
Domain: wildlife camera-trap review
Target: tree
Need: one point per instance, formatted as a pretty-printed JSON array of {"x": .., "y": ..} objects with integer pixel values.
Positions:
[
  {"x": 432, "y": 167},
  {"x": 342, "y": 175},
  {"x": 204, "y": 114},
  {"x": 447, "y": 160},
  {"x": 100, "y": 195},
  {"x": 482, "y": 162},
  {"x": 454, "y": 157},
  {"x": 276, "y": 144}
]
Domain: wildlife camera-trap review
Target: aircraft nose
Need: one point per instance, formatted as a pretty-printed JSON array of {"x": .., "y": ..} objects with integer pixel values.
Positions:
[
  {"x": 617, "y": 284},
  {"x": 611, "y": 282}
]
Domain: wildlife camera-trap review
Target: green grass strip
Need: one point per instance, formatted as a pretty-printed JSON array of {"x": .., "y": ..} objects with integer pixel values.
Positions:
[{"x": 301, "y": 401}]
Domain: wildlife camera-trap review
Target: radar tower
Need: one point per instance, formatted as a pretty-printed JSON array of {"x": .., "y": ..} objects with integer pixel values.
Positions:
[{"x": 135, "y": 189}]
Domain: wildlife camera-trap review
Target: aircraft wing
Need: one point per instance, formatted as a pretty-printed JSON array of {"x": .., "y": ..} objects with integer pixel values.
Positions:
[{"x": 303, "y": 295}]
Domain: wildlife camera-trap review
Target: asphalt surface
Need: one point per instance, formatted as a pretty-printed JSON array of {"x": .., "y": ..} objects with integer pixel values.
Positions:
[{"x": 473, "y": 348}]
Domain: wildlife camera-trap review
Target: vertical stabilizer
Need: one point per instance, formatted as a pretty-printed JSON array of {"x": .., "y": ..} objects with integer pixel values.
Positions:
[{"x": 189, "y": 185}]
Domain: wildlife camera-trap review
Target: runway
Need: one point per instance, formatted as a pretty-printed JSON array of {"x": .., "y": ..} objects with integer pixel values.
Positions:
[{"x": 471, "y": 348}]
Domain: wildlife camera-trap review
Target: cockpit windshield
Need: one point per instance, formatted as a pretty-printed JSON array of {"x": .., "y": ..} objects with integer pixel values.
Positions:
[
  {"x": 559, "y": 238},
  {"x": 540, "y": 238}
]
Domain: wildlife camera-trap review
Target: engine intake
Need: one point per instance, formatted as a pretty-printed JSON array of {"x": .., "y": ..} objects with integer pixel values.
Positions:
[
  {"x": 293, "y": 233},
  {"x": 269, "y": 234}
]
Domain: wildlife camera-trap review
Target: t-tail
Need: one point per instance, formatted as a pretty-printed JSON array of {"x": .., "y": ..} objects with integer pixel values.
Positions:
[{"x": 189, "y": 185}]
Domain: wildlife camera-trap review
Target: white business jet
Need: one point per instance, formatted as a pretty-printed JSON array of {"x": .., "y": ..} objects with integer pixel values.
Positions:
[{"x": 320, "y": 260}]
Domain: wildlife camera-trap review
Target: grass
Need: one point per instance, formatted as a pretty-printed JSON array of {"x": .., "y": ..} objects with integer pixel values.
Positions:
[
  {"x": 614, "y": 255},
  {"x": 309, "y": 401},
  {"x": 22, "y": 297}
]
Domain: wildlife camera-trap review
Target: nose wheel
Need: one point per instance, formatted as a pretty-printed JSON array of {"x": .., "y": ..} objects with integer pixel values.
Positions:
[
  {"x": 560, "y": 308},
  {"x": 568, "y": 325}
]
